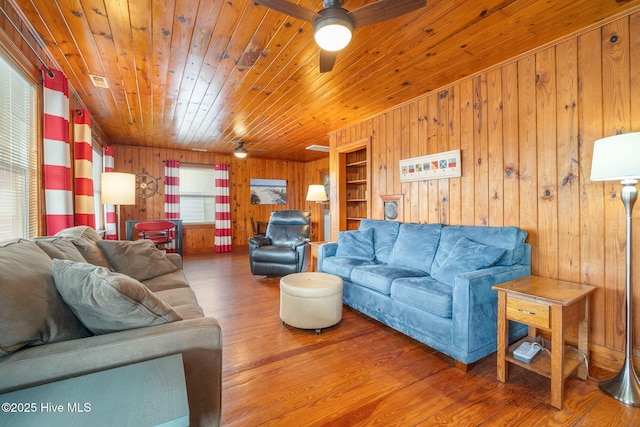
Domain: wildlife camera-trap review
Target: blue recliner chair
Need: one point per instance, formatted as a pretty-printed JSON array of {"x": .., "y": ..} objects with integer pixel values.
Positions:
[{"x": 284, "y": 249}]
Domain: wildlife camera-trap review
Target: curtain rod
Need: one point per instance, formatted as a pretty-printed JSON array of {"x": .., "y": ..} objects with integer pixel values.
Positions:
[
  {"x": 201, "y": 164},
  {"x": 26, "y": 41}
]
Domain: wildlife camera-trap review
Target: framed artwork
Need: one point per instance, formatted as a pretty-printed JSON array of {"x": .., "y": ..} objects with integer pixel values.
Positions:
[
  {"x": 268, "y": 191},
  {"x": 434, "y": 166}
]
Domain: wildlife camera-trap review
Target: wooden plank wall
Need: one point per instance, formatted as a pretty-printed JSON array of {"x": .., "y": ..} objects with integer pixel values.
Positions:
[
  {"x": 200, "y": 238},
  {"x": 526, "y": 132}
]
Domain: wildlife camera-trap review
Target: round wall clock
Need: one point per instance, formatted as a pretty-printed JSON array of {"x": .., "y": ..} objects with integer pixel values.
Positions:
[{"x": 146, "y": 185}]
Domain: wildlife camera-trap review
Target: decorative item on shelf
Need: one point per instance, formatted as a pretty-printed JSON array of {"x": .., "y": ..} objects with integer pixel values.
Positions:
[
  {"x": 118, "y": 189},
  {"x": 146, "y": 185},
  {"x": 618, "y": 158},
  {"x": 317, "y": 193}
]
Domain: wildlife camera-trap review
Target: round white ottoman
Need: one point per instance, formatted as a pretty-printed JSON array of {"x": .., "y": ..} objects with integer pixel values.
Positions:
[{"x": 311, "y": 300}]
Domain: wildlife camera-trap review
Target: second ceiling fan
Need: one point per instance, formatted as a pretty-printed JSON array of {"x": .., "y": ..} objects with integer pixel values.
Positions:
[{"x": 333, "y": 25}]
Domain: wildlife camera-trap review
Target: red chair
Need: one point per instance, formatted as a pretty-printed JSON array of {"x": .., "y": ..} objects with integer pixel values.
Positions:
[{"x": 161, "y": 233}]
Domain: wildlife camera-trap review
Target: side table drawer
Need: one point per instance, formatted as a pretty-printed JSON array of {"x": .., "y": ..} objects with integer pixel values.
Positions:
[{"x": 528, "y": 312}]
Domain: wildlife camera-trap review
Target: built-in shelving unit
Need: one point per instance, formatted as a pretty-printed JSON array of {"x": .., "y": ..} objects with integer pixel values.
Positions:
[{"x": 355, "y": 184}]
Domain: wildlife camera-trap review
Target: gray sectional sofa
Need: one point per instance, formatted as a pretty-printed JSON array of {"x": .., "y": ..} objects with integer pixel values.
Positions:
[
  {"x": 75, "y": 304},
  {"x": 429, "y": 281}
]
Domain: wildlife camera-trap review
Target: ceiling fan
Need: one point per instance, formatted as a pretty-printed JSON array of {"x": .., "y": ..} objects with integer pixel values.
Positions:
[
  {"x": 241, "y": 152},
  {"x": 333, "y": 25}
]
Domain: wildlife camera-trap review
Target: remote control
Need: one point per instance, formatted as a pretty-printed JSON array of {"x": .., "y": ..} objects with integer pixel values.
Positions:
[{"x": 526, "y": 351}]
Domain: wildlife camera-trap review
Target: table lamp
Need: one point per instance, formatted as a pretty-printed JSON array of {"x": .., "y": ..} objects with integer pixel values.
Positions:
[
  {"x": 618, "y": 158},
  {"x": 316, "y": 193}
]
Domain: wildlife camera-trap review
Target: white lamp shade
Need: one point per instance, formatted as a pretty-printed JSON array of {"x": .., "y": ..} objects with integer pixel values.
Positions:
[
  {"x": 316, "y": 193},
  {"x": 333, "y": 37},
  {"x": 616, "y": 158},
  {"x": 118, "y": 188}
]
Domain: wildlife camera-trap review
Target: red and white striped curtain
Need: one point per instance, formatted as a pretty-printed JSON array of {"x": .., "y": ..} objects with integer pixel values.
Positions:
[
  {"x": 171, "y": 194},
  {"x": 223, "y": 209},
  {"x": 108, "y": 165},
  {"x": 83, "y": 168},
  {"x": 57, "y": 152}
]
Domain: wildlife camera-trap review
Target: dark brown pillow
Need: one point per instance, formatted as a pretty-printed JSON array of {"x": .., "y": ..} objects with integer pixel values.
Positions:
[{"x": 139, "y": 259}]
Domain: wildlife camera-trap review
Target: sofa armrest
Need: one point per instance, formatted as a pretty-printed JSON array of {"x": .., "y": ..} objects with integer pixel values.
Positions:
[
  {"x": 326, "y": 250},
  {"x": 176, "y": 259},
  {"x": 475, "y": 312},
  {"x": 198, "y": 340},
  {"x": 300, "y": 242},
  {"x": 257, "y": 241}
]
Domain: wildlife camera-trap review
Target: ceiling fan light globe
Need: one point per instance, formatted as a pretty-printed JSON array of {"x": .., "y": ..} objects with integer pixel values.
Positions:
[
  {"x": 333, "y": 37},
  {"x": 333, "y": 30},
  {"x": 240, "y": 152}
]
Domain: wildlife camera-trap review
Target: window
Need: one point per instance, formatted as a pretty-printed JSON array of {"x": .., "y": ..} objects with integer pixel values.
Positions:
[
  {"x": 197, "y": 195},
  {"x": 97, "y": 195},
  {"x": 18, "y": 160}
]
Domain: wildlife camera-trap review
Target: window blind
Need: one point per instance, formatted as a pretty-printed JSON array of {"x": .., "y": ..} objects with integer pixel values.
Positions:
[{"x": 18, "y": 159}]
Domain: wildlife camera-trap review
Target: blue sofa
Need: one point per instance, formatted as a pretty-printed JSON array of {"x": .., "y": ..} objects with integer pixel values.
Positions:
[{"x": 429, "y": 281}]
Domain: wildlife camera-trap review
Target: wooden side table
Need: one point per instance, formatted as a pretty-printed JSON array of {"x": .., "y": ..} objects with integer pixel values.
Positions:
[
  {"x": 553, "y": 306},
  {"x": 313, "y": 256}
]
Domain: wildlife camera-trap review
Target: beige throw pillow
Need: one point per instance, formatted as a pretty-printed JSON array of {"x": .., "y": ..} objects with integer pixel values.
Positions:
[
  {"x": 139, "y": 259},
  {"x": 106, "y": 301}
]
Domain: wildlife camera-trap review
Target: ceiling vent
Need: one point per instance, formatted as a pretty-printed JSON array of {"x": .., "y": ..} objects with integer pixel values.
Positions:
[
  {"x": 99, "y": 81},
  {"x": 322, "y": 148}
]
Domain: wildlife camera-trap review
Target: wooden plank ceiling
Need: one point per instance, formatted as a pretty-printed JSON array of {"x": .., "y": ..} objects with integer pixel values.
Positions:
[{"x": 204, "y": 74}]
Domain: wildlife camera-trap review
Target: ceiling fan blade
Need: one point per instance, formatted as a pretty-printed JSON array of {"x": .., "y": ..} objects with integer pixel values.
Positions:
[
  {"x": 382, "y": 10},
  {"x": 288, "y": 8},
  {"x": 327, "y": 60}
]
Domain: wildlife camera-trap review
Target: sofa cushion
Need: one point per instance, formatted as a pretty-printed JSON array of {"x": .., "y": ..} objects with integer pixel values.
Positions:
[
  {"x": 384, "y": 236},
  {"x": 106, "y": 301},
  {"x": 509, "y": 238},
  {"x": 59, "y": 247},
  {"x": 356, "y": 244},
  {"x": 273, "y": 254},
  {"x": 85, "y": 238},
  {"x": 139, "y": 259},
  {"x": 31, "y": 309},
  {"x": 174, "y": 280},
  {"x": 416, "y": 246},
  {"x": 380, "y": 276},
  {"x": 342, "y": 266},
  {"x": 466, "y": 255},
  {"x": 424, "y": 293},
  {"x": 183, "y": 301}
]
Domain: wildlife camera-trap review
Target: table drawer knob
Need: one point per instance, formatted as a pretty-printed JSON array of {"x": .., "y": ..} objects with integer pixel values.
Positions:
[{"x": 526, "y": 312}]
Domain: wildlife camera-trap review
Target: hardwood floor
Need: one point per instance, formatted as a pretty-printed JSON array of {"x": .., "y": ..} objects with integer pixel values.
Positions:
[{"x": 362, "y": 373}]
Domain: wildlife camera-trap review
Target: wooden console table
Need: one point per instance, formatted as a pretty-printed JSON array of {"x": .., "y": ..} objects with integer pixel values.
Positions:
[{"x": 550, "y": 305}]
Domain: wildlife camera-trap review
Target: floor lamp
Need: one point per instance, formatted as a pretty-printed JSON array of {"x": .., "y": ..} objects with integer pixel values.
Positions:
[
  {"x": 318, "y": 194},
  {"x": 618, "y": 158},
  {"x": 118, "y": 189}
]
